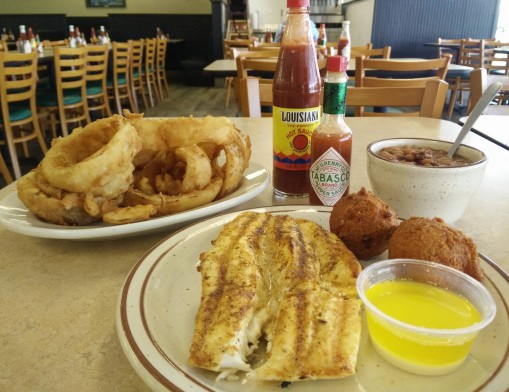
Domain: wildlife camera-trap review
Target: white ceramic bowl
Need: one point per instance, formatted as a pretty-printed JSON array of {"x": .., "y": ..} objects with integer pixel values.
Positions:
[{"x": 430, "y": 192}]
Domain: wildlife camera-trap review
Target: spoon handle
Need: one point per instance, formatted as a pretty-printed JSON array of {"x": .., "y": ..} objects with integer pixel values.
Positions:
[{"x": 484, "y": 101}]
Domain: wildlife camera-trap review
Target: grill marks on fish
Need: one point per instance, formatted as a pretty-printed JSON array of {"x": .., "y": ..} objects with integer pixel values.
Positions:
[{"x": 289, "y": 280}]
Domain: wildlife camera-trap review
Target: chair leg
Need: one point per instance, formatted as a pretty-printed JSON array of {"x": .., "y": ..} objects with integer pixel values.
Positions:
[
  {"x": 12, "y": 152},
  {"x": 452, "y": 100},
  {"x": 5, "y": 170}
]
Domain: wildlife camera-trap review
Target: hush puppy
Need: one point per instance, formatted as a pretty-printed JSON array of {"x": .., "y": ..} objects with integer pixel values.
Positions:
[
  {"x": 364, "y": 223},
  {"x": 433, "y": 240}
]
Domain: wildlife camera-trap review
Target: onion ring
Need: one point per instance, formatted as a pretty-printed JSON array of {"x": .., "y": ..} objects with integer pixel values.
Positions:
[
  {"x": 96, "y": 158},
  {"x": 198, "y": 169},
  {"x": 166, "y": 204}
]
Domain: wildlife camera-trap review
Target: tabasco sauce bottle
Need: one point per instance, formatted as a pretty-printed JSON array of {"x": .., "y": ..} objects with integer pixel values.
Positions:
[
  {"x": 331, "y": 144},
  {"x": 296, "y": 103}
]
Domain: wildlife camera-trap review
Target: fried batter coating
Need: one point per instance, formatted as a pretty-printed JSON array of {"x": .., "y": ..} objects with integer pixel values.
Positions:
[
  {"x": 433, "y": 240},
  {"x": 364, "y": 223}
]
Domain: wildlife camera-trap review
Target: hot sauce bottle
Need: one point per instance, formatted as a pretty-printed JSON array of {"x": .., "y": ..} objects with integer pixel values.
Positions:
[
  {"x": 296, "y": 100},
  {"x": 331, "y": 144},
  {"x": 345, "y": 43}
]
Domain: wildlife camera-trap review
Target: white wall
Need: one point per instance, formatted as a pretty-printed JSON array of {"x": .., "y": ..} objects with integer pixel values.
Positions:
[
  {"x": 269, "y": 11},
  {"x": 360, "y": 15},
  {"x": 78, "y": 8}
]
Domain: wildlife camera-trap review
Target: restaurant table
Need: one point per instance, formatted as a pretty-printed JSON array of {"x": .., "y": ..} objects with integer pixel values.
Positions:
[
  {"x": 59, "y": 297},
  {"x": 493, "y": 127},
  {"x": 227, "y": 67}
]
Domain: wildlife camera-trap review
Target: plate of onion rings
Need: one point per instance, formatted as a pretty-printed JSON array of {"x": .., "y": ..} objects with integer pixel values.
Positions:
[{"x": 16, "y": 217}]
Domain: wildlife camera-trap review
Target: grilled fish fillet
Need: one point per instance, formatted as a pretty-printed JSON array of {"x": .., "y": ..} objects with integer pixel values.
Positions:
[{"x": 288, "y": 280}]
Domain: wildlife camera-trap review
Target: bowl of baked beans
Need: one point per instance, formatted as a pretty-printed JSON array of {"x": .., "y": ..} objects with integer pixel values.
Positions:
[{"x": 417, "y": 178}]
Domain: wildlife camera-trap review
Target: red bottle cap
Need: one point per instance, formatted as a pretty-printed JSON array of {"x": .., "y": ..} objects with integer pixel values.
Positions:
[
  {"x": 297, "y": 3},
  {"x": 337, "y": 64}
]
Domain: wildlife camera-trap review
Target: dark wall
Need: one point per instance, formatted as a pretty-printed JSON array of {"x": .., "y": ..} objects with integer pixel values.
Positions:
[
  {"x": 48, "y": 26},
  {"x": 194, "y": 29},
  {"x": 406, "y": 25}
]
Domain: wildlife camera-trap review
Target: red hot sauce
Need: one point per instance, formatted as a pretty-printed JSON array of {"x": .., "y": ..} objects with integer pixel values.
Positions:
[{"x": 296, "y": 100}]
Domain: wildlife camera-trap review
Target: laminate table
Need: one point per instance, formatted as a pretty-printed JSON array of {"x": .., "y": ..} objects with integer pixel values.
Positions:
[
  {"x": 493, "y": 127},
  {"x": 59, "y": 297}
]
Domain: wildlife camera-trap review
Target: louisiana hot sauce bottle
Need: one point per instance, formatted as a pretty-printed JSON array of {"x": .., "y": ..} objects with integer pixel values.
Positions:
[
  {"x": 296, "y": 103},
  {"x": 331, "y": 144}
]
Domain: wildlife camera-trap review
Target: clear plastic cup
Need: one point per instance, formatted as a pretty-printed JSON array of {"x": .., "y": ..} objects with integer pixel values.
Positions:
[{"x": 417, "y": 349}]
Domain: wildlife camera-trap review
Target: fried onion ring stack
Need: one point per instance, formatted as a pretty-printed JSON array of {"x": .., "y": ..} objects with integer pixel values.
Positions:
[
  {"x": 128, "y": 169},
  {"x": 83, "y": 175},
  {"x": 186, "y": 162}
]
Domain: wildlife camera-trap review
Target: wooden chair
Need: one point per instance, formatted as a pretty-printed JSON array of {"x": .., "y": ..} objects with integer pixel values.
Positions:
[
  {"x": 471, "y": 54},
  {"x": 149, "y": 71},
  {"x": 479, "y": 82},
  {"x": 18, "y": 120},
  {"x": 332, "y": 49},
  {"x": 5, "y": 170},
  {"x": 261, "y": 64},
  {"x": 429, "y": 98},
  {"x": 51, "y": 44},
  {"x": 494, "y": 62},
  {"x": 3, "y": 46},
  {"x": 441, "y": 50},
  {"x": 97, "y": 74},
  {"x": 383, "y": 53},
  {"x": 136, "y": 74},
  {"x": 118, "y": 82},
  {"x": 162, "y": 81},
  {"x": 398, "y": 72},
  {"x": 68, "y": 101},
  {"x": 231, "y": 48}
]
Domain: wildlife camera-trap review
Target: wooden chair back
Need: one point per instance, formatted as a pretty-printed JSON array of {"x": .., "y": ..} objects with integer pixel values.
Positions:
[
  {"x": 332, "y": 48},
  {"x": 51, "y": 44},
  {"x": 402, "y": 72},
  {"x": 495, "y": 62},
  {"x": 430, "y": 98},
  {"x": 383, "y": 53},
  {"x": 18, "y": 81},
  {"x": 70, "y": 75},
  {"x": 149, "y": 70},
  {"x": 480, "y": 79},
  {"x": 162, "y": 81},
  {"x": 96, "y": 77},
  {"x": 121, "y": 86},
  {"x": 136, "y": 73},
  {"x": 471, "y": 53},
  {"x": 3, "y": 46},
  {"x": 259, "y": 61}
]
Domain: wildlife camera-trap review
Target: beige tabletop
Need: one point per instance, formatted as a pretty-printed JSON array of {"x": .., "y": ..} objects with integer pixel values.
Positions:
[
  {"x": 494, "y": 127},
  {"x": 59, "y": 298}
]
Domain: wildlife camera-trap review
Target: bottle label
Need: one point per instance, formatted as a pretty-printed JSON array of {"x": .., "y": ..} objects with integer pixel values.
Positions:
[
  {"x": 330, "y": 176},
  {"x": 334, "y": 98},
  {"x": 292, "y": 131}
]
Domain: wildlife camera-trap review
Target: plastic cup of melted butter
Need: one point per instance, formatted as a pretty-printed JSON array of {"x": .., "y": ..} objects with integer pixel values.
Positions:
[{"x": 423, "y": 317}]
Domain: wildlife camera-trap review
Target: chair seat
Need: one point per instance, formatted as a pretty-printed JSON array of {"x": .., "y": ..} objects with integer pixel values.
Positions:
[
  {"x": 50, "y": 99},
  {"x": 121, "y": 80},
  {"x": 454, "y": 73},
  {"x": 94, "y": 89},
  {"x": 17, "y": 114}
]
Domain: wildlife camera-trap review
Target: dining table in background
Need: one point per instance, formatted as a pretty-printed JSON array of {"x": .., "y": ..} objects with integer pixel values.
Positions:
[
  {"x": 59, "y": 298},
  {"x": 222, "y": 68},
  {"x": 493, "y": 127}
]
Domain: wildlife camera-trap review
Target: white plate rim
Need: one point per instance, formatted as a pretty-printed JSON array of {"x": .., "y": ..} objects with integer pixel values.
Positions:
[
  {"x": 256, "y": 178},
  {"x": 149, "y": 372}
]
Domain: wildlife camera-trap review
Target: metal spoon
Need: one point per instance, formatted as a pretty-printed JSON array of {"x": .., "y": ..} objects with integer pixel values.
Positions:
[{"x": 484, "y": 101}]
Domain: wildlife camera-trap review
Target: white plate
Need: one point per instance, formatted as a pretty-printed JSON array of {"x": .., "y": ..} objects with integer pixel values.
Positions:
[
  {"x": 157, "y": 305},
  {"x": 16, "y": 217}
]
